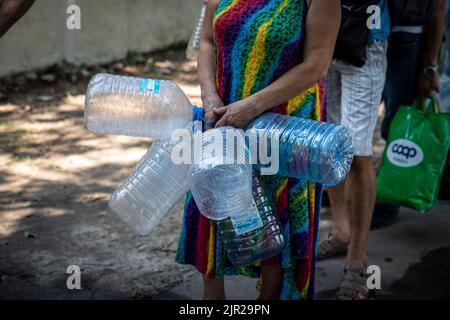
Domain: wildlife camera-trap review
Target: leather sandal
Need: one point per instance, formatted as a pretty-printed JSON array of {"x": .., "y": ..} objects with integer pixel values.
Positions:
[
  {"x": 331, "y": 247},
  {"x": 354, "y": 284}
]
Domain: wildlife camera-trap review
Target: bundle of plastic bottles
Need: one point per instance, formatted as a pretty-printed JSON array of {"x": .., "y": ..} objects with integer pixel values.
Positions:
[{"x": 224, "y": 191}]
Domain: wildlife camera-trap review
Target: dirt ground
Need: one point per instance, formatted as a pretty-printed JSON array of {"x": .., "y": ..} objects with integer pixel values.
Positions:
[{"x": 56, "y": 178}]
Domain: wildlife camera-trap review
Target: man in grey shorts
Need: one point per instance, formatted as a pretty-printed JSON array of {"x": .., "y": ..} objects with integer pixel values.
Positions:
[{"x": 354, "y": 95}]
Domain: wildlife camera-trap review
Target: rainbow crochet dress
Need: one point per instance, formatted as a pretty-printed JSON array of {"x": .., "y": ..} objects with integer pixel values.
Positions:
[{"x": 256, "y": 42}]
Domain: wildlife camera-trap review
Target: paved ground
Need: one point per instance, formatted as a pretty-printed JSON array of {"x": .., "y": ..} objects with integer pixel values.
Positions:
[{"x": 56, "y": 177}]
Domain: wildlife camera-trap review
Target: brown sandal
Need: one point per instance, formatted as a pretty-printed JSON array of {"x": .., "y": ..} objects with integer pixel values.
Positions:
[
  {"x": 354, "y": 284},
  {"x": 331, "y": 247}
]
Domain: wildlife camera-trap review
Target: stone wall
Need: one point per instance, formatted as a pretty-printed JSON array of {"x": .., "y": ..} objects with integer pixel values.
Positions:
[{"x": 109, "y": 30}]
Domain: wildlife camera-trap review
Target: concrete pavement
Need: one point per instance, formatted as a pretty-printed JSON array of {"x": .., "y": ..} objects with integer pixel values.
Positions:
[{"x": 413, "y": 255}]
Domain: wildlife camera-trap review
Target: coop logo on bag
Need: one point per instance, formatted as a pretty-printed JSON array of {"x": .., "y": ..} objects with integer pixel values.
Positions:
[{"x": 404, "y": 153}]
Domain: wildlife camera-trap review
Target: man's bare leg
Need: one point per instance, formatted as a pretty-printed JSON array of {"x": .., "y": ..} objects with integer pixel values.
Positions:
[
  {"x": 339, "y": 211},
  {"x": 361, "y": 194}
]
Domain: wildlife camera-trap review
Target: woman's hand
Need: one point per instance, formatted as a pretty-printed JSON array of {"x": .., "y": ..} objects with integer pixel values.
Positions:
[
  {"x": 237, "y": 115},
  {"x": 211, "y": 103}
]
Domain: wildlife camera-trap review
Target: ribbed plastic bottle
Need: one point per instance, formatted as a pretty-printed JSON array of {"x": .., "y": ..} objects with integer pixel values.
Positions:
[
  {"x": 194, "y": 42},
  {"x": 311, "y": 150},
  {"x": 220, "y": 177},
  {"x": 154, "y": 187},
  {"x": 131, "y": 106},
  {"x": 258, "y": 244}
]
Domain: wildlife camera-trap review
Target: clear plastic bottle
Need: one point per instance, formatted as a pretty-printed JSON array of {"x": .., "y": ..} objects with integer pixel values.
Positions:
[
  {"x": 220, "y": 178},
  {"x": 311, "y": 150},
  {"x": 194, "y": 42},
  {"x": 132, "y": 106},
  {"x": 154, "y": 187},
  {"x": 259, "y": 244}
]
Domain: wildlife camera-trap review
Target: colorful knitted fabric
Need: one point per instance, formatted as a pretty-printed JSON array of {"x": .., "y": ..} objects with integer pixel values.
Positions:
[{"x": 256, "y": 42}]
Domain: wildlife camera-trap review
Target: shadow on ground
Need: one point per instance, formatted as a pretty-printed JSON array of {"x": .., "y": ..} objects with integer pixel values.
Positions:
[
  {"x": 428, "y": 279},
  {"x": 55, "y": 180}
]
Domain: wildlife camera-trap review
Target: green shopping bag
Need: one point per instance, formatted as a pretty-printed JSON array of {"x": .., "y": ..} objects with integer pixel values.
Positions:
[{"x": 414, "y": 158}]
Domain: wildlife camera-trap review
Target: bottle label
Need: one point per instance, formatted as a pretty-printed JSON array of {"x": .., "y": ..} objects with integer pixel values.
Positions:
[
  {"x": 248, "y": 222},
  {"x": 149, "y": 85}
]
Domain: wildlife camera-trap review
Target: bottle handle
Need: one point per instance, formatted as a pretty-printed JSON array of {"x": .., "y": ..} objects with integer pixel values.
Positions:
[{"x": 198, "y": 114}]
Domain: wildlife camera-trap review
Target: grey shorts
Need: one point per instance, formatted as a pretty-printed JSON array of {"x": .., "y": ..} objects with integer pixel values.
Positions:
[{"x": 354, "y": 96}]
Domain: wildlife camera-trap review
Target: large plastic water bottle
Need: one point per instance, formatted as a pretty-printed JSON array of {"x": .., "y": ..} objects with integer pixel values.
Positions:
[
  {"x": 257, "y": 244},
  {"x": 194, "y": 42},
  {"x": 220, "y": 177},
  {"x": 311, "y": 150},
  {"x": 132, "y": 106},
  {"x": 154, "y": 187}
]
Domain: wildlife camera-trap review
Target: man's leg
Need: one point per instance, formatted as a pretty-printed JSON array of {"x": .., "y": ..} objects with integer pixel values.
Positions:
[
  {"x": 361, "y": 196},
  {"x": 340, "y": 229},
  {"x": 340, "y": 234},
  {"x": 362, "y": 92},
  {"x": 339, "y": 209},
  {"x": 361, "y": 96}
]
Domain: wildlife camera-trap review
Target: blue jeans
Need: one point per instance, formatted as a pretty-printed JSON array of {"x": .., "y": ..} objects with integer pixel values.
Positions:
[
  {"x": 403, "y": 69},
  {"x": 447, "y": 37}
]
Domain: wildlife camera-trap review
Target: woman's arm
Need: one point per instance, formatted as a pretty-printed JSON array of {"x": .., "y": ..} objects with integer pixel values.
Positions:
[
  {"x": 322, "y": 27},
  {"x": 206, "y": 69}
]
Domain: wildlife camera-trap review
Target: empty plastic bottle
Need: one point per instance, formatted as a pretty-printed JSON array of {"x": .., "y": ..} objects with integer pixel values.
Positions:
[
  {"x": 194, "y": 42},
  {"x": 154, "y": 187},
  {"x": 220, "y": 178},
  {"x": 311, "y": 150},
  {"x": 257, "y": 244},
  {"x": 132, "y": 106}
]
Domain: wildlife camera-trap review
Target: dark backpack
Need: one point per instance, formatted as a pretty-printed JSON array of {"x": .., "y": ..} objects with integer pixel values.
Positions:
[
  {"x": 410, "y": 12},
  {"x": 352, "y": 38}
]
